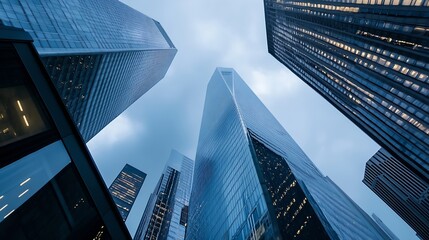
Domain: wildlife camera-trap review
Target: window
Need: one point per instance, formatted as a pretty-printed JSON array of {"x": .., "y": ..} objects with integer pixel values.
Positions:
[
  {"x": 47, "y": 199},
  {"x": 25, "y": 177},
  {"x": 20, "y": 115}
]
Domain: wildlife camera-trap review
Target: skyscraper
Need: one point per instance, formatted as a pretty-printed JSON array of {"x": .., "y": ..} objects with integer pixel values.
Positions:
[
  {"x": 403, "y": 191},
  {"x": 49, "y": 185},
  {"x": 384, "y": 227},
  {"x": 101, "y": 54},
  {"x": 369, "y": 59},
  {"x": 166, "y": 213},
  {"x": 125, "y": 188},
  {"x": 252, "y": 181}
]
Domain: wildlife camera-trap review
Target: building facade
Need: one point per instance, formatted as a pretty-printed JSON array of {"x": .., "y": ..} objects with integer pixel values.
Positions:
[
  {"x": 125, "y": 188},
  {"x": 384, "y": 227},
  {"x": 50, "y": 187},
  {"x": 403, "y": 191},
  {"x": 101, "y": 54},
  {"x": 369, "y": 59},
  {"x": 252, "y": 181},
  {"x": 166, "y": 213}
]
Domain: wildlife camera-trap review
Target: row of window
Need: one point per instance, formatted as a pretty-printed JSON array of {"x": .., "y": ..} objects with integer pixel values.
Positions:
[{"x": 363, "y": 2}]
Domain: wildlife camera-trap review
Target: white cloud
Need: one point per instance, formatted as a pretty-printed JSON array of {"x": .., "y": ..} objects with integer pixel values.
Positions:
[
  {"x": 273, "y": 83},
  {"x": 120, "y": 130},
  {"x": 207, "y": 35}
]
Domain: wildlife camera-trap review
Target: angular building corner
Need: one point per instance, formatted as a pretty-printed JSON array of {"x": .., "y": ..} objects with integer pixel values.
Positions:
[
  {"x": 101, "y": 54},
  {"x": 403, "y": 191},
  {"x": 166, "y": 213},
  {"x": 252, "y": 181},
  {"x": 50, "y": 187}
]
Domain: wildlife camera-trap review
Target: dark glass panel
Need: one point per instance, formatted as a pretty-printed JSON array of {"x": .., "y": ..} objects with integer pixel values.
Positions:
[
  {"x": 60, "y": 210},
  {"x": 294, "y": 214},
  {"x": 20, "y": 114},
  {"x": 184, "y": 215}
]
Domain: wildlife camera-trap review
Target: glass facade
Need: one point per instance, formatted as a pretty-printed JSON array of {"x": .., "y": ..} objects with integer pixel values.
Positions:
[
  {"x": 166, "y": 213},
  {"x": 384, "y": 227},
  {"x": 252, "y": 181},
  {"x": 49, "y": 186},
  {"x": 403, "y": 191},
  {"x": 295, "y": 218},
  {"x": 101, "y": 55},
  {"x": 43, "y": 190},
  {"x": 21, "y": 116},
  {"x": 125, "y": 188},
  {"x": 367, "y": 58}
]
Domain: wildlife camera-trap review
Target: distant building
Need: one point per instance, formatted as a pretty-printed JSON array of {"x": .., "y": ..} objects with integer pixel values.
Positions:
[
  {"x": 101, "y": 54},
  {"x": 49, "y": 185},
  {"x": 125, "y": 189},
  {"x": 369, "y": 59},
  {"x": 384, "y": 227},
  {"x": 398, "y": 187},
  {"x": 166, "y": 213},
  {"x": 252, "y": 181}
]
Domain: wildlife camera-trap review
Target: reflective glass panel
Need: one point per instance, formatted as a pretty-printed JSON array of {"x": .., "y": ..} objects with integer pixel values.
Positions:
[{"x": 20, "y": 115}]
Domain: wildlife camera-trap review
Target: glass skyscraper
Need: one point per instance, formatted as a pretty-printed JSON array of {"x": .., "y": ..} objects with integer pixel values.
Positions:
[
  {"x": 101, "y": 54},
  {"x": 369, "y": 59},
  {"x": 125, "y": 188},
  {"x": 403, "y": 191},
  {"x": 166, "y": 213},
  {"x": 380, "y": 223},
  {"x": 252, "y": 181},
  {"x": 50, "y": 187}
]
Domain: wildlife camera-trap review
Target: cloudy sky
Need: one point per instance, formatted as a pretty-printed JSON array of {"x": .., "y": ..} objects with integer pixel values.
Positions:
[{"x": 226, "y": 33}]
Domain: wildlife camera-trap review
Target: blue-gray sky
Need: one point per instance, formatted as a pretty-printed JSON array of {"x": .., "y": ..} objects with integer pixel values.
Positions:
[{"x": 225, "y": 33}]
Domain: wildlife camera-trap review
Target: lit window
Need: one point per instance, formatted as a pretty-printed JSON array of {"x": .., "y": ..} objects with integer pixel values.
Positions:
[
  {"x": 396, "y": 67},
  {"x": 404, "y": 70},
  {"x": 20, "y": 115}
]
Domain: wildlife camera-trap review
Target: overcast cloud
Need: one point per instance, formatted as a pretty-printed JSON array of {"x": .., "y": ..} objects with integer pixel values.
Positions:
[{"x": 225, "y": 33}]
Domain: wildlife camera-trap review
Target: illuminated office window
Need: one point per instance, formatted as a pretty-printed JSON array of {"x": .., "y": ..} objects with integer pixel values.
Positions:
[{"x": 20, "y": 115}]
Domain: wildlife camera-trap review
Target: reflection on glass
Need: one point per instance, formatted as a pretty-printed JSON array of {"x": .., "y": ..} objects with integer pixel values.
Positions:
[
  {"x": 43, "y": 198},
  {"x": 23, "y": 178}
]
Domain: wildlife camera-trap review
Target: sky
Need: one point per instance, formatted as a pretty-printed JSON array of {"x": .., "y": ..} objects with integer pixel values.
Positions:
[{"x": 222, "y": 33}]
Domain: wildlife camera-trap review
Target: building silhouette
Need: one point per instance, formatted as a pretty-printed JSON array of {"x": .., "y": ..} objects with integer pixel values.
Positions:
[
  {"x": 101, "y": 54},
  {"x": 252, "y": 181},
  {"x": 166, "y": 213},
  {"x": 50, "y": 187},
  {"x": 400, "y": 189},
  {"x": 125, "y": 188}
]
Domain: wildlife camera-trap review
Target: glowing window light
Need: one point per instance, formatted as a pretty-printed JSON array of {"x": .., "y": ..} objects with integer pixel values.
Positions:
[
  {"x": 20, "y": 195},
  {"x": 1, "y": 209},
  {"x": 25, "y": 181},
  {"x": 25, "y": 120},
  {"x": 7, "y": 215},
  {"x": 19, "y": 105}
]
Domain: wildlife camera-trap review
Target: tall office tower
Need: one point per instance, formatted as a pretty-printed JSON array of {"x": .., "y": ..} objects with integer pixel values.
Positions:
[
  {"x": 403, "y": 191},
  {"x": 252, "y": 181},
  {"x": 166, "y": 213},
  {"x": 101, "y": 54},
  {"x": 49, "y": 185},
  {"x": 384, "y": 227},
  {"x": 369, "y": 59},
  {"x": 125, "y": 189}
]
